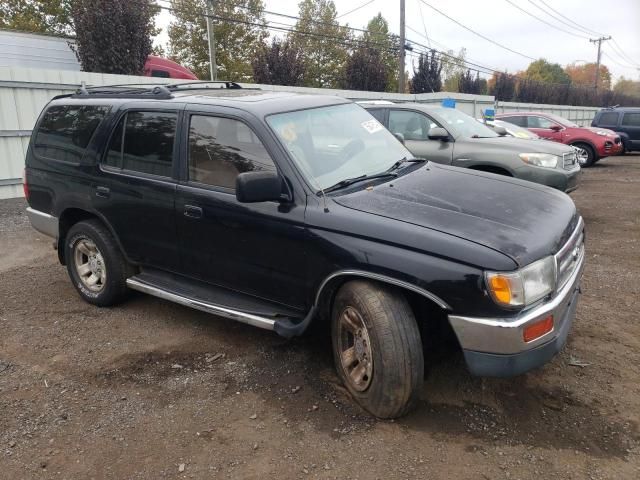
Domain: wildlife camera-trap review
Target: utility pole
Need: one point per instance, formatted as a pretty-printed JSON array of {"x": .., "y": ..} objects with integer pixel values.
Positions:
[
  {"x": 401, "y": 52},
  {"x": 599, "y": 42},
  {"x": 213, "y": 68}
]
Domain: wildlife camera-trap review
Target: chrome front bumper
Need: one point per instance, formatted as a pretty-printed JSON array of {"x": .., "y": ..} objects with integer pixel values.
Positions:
[
  {"x": 504, "y": 336},
  {"x": 43, "y": 222}
]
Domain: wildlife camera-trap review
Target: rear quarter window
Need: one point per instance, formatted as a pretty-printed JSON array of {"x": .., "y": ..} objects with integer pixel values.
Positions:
[
  {"x": 608, "y": 119},
  {"x": 65, "y": 131},
  {"x": 631, "y": 119}
]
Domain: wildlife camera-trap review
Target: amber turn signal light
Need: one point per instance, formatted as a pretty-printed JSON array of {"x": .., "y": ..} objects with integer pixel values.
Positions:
[{"x": 538, "y": 329}]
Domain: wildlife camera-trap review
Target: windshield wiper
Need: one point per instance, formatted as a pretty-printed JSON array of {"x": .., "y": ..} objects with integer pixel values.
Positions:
[
  {"x": 402, "y": 161},
  {"x": 350, "y": 181}
]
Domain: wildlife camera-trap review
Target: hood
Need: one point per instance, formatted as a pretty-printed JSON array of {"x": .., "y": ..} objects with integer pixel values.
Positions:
[
  {"x": 522, "y": 220},
  {"x": 611, "y": 133},
  {"x": 521, "y": 145}
]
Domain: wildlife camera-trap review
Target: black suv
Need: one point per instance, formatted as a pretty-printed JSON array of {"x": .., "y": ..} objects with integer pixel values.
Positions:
[
  {"x": 625, "y": 121},
  {"x": 278, "y": 210}
]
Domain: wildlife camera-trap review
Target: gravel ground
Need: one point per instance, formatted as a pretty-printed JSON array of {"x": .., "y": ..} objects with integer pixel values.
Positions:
[{"x": 153, "y": 390}]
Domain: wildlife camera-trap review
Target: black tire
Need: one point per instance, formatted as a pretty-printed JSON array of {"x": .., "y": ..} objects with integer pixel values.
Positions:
[
  {"x": 113, "y": 289},
  {"x": 397, "y": 371},
  {"x": 591, "y": 154}
]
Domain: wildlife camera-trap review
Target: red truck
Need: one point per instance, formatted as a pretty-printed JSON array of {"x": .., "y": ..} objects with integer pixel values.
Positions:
[{"x": 591, "y": 143}]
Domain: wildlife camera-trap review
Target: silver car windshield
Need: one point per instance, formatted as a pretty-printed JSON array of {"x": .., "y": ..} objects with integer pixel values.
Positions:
[
  {"x": 334, "y": 143},
  {"x": 463, "y": 125}
]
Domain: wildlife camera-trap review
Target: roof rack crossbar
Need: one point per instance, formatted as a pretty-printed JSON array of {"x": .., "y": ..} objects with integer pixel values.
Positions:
[{"x": 159, "y": 90}]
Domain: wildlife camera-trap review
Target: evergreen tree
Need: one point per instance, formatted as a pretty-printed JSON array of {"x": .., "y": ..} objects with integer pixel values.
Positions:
[
  {"x": 280, "y": 63},
  {"x": 426, "y": 78}
]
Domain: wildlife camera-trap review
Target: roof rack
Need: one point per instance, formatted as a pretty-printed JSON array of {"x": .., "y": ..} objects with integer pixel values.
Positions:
[{"x": 156, "y": 90}]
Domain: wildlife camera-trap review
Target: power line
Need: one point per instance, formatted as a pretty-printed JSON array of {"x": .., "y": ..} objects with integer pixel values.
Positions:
[
  {"x": 476, "y": 33},
  {"x": 631, "y": 67},
  {"x": 583, "y": 28},
  {"x": 424, "y": 25},
  {"x": 526, "y": 12},
  {"x": 560, "y": 20},
  {"x": 621, "y": 53},
  {"x": 355, "y": 9}
]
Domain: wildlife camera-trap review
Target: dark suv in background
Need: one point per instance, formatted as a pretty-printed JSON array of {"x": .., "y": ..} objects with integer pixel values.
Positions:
[
  {"x": 278, "y": 210},
  {"x": 624, "y": 121}
]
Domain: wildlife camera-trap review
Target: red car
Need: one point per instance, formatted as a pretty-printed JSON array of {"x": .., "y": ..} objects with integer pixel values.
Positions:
[
  {"x": 165, "y": 68},
  {"x": 591, "y": 143}
]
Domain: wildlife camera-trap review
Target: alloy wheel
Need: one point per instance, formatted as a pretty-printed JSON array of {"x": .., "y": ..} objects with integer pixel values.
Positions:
[
  {"x": 90, "y": 265},
  {"x": 356, "y": 357}
]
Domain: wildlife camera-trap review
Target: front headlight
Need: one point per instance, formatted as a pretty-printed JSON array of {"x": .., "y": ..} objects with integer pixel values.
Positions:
[
  {"x": 524, "y": 286},
  {"x": 540, "y": 159}
]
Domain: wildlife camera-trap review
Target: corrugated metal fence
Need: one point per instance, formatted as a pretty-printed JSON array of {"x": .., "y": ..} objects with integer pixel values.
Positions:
[{"x": 25, "y": 91}]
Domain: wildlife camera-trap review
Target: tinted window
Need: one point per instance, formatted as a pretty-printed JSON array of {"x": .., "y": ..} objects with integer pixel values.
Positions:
[
  {"x": 413, "y": 125},
  {"x": 221, "y": 148},
  {"x": 65, "y": 131},
  {"x": 631, "y": 119},
  {"x": 160, "y": 73},
  {"x": 519, "y": 120},
  {"x": 540, "y": 122},
  {"x": 378, "y": 114},
  {"x": 147, "y": 143},
  {"x": 608, "y": 119}
]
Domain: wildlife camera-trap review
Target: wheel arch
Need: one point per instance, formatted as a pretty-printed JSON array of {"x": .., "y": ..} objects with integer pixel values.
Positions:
[
  {"x": 331, "y": 284},
  {"x": 72, "y": 215},
  {"x": 491, "y": 169}
]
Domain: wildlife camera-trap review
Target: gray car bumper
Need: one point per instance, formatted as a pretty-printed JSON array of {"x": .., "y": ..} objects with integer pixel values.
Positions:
[
  {"x": 43, "y": 222},
  {"x": 496, "y": 347}
]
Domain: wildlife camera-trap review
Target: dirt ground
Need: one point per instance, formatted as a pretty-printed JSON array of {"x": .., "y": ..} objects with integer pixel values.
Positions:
[{"x": 152, "y": 390}]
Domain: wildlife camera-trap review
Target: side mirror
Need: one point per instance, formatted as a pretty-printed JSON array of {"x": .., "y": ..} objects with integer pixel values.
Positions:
[
  {"x": 500, "y": 131},
  {"x": 438, "y": 133},
  {"x": 400, "y": 137},
  {"x": 556, "y": 128},
  {"x": 252, "y": 187}
]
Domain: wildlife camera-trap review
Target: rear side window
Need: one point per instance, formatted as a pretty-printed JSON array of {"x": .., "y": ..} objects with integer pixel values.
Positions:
[
  {"x": 143, "y": 142},
  {"x": 631, "y": 119},
  {"x": 609, "y": 119},
  {"x": 65, "y": 131},
  {"x": 378, "y": 114},
  {"x": 221, "y": 148}
]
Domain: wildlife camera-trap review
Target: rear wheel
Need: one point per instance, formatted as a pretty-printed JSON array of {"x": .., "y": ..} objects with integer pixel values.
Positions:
[
  {"x": 585, "y": 154},
  {"x": 377, "y": 348},
  {"x": 95, "y": 264}
]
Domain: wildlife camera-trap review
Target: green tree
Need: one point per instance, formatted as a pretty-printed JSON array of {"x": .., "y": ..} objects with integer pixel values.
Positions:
[
  {"x": 366, "y": 70},
  {"x": 37, "y": 16},
  {"x": 323, "y": 41},
  {"x": 427, "y": 77},
  {"x": 453, "y": 69},
  {"x": 280, "y": 63},
  {"x": 378, "y": 36},
  {"x": 546, "y": 72},
  {"x": 625, "y": 86},
  {"x": 113, "y": 36},
  {"x": 239, "y": 34}
]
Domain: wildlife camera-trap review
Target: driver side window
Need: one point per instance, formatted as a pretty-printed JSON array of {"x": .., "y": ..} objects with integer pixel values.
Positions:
[
  {"x": 540, "y": 122},
  {"x": 413, "y": 125}
]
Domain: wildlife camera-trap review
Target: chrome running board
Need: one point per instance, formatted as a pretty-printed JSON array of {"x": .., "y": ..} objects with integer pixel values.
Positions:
[{"x": 248, "y": 318}]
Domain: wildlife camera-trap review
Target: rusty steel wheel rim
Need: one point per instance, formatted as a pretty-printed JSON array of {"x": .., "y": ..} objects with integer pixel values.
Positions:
[{"x": 356, "y": 357}]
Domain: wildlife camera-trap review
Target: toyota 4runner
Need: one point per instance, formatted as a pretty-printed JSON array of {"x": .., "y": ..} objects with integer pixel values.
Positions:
[{"x": 279, "y": 210}]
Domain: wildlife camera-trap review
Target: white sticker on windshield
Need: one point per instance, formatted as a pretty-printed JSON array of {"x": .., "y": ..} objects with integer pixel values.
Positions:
[{"x": 372, "y": 126}]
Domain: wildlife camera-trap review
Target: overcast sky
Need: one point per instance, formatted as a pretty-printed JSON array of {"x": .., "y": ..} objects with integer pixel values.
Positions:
[{"x": 503, "y": 23}]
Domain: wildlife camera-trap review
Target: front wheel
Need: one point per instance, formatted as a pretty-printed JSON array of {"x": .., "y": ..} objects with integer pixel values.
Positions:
[
  {"x": 585, "y": 154},
  {"x": 377, "y": 348}
]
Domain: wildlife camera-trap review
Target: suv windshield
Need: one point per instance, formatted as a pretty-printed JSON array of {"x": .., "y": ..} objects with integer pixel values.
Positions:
[
  {"x": 463, "y": 125},
  {"x": 334, "y": 143}
]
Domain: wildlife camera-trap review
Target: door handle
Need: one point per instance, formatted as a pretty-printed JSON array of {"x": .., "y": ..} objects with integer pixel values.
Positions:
[
  {"x": 103, "y": 192},
  {"x": 192, "y": 211}
]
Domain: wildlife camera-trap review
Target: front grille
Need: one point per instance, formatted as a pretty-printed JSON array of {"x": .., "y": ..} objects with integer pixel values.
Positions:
[
  {"x": 569, "y": 161},
  {"x": 570, "y": 256}
]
